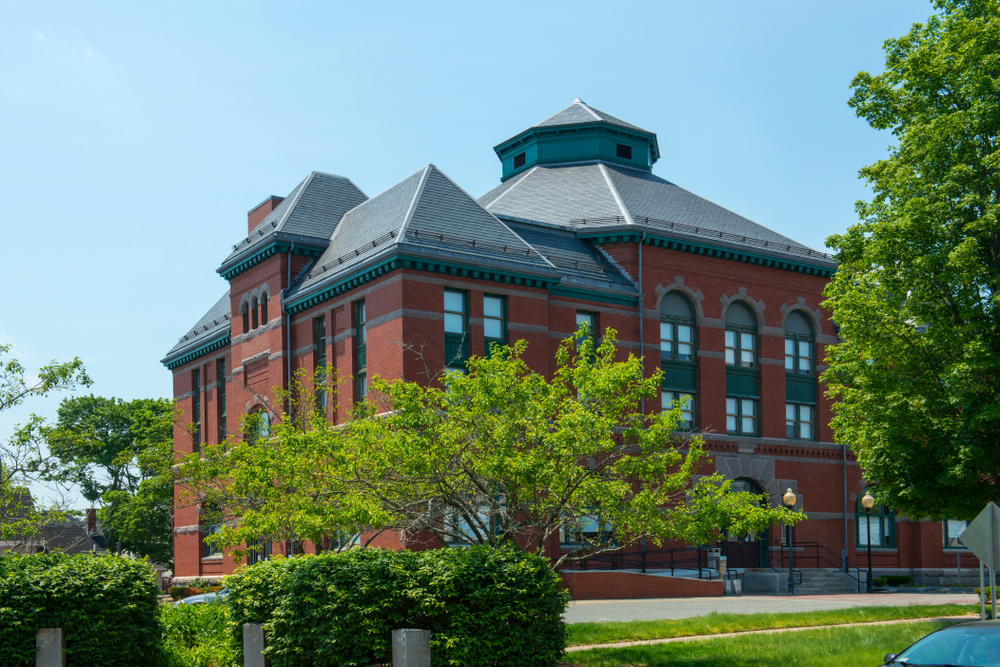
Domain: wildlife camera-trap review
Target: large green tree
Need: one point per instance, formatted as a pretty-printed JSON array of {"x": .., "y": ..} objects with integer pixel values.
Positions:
[
  {"x": 119, "y": 453},
  {"x": 23, "y": 458},
  {"x": 917, "y": 291},
  {"x": 500, "y": 454}
]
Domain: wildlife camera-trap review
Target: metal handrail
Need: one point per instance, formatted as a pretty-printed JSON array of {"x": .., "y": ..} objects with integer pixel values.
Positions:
[
  {"x": 654, "y": 559},
  {"x": 841, "y": 562},
  {"x": 781, "y": 562}
]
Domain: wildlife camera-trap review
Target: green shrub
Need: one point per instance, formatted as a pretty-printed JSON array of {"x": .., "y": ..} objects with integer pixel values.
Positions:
[
  {"x": 483, "y": 606},
  {"x": 893, "y": 580},
  {"x": 198, "y": 636},
  {"x": 107, "y": 606}
]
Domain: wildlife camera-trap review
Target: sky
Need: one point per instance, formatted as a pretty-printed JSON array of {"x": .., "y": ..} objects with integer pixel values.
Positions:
[{"x": 134, "y": 137}]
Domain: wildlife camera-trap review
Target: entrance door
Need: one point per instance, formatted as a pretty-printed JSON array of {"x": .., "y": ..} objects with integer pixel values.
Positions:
[{"x": 748, "y": 550}]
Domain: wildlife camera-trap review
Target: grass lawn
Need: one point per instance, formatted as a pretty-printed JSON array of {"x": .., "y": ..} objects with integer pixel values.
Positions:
[
  {"x": 713, "y": 624},
  {"x": 823, "y": 647}
]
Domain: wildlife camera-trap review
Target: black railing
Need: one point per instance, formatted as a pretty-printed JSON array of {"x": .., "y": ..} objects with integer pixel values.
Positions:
[
  {"x": 820, "y": 556},
  {"x": 681, "y": 558},
  {"x": 770, "y": 560}
]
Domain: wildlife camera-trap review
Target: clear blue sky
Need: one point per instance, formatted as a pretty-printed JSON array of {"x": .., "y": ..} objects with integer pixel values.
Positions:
[{"x": 134, "y": 136}]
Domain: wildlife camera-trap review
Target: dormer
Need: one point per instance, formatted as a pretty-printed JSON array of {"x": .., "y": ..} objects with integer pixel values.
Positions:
[{"x": 578, "y": 133}]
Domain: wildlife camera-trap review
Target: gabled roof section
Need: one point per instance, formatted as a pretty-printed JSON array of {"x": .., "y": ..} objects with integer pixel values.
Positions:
[
  {"x": 213, "y": 327},
  {"x": 581, "y": 112},
  {"x": 597, "y": 197},
  {"x": 426, "y": 215},
  {"x": 308, "y": 216}
]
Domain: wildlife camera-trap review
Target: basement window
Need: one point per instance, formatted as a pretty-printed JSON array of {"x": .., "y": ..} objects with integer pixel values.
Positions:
[
  {"x": 623, "y": 151},
  {"x": 518, "y": 160}
]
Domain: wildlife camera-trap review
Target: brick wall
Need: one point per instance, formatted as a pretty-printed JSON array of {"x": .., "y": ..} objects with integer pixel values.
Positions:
[{"x": 633, "y": 585}]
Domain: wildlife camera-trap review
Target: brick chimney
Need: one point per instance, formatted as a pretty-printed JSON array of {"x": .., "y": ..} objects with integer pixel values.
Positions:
[
  {"x": 260, "y": 211},
  {"x": 91, "y": 520}
]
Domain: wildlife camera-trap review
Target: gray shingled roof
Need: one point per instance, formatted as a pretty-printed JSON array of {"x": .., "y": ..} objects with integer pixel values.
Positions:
[
  {"x": 311, "y": 210},
  {"x": 581, "y": 112},
  {"x": 426, "y": 212},
  {"x": 590, "y": 195},
  {"x": 577, "y": 261},
  {"x": 212, "y": 324}
]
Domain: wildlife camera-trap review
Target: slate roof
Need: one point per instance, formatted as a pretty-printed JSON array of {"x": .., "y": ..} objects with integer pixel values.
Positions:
[
  {"x": 71, "y": 538},
  {"x": 425, "y": 213},
  {"x": 311, "y": 211},
  {"x": 212, "y": 324},
  {"x": 581, "y": 112},
  {"x": 588, "y": 196}
]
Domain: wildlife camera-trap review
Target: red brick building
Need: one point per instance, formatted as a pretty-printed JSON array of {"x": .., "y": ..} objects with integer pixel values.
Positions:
[{"x": 579, "y": 229}]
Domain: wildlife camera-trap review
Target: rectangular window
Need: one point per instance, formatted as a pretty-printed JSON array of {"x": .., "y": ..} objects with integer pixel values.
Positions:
[
  {"x": 953, "y": 529},
  {"x": 210, "y": 549},
  {"x": 740, "y": 346},
  {"x": 623, "y": 151},
  {"x": 454, "y": 312},
  {"x": 685, "y": 400},
  {"x": 590, "y": 530},
  {"x": 800, "y": 421},
  {"x": 494, "y": 320},
  {"x": 676, "y": 341},
  {"x": 741, "y": 416},
  {"x": 257, "y": 555},
  {"x": 319, "y": 360},
  {"x": 590, "y": 319},
  {"x": 361, "y": 350},
  {"x": 220, "y": 394},
  {"x": 798, "y": 356},
  {"x": 881, "y": 530},
  {"x": 518, "y": 160},
  {"x": 196, "y": 408}
]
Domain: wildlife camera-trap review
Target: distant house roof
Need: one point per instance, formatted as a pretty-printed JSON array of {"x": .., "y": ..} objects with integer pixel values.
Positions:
[{"x": 71, "y": 537}]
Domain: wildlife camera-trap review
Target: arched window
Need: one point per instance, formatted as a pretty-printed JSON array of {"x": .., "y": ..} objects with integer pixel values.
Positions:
[
  {"x": 253, "y": 312},
  {"x": 676, "y": 328},
  {"x": 798, "y": 344},
  {"x": 257, "y": 425},
  {"x": 245, "y": 312},
  {"x": 677, "y": 358},
  {"x": 881, "y": 521},
  {"x": 800, "y": 387},
  {"x": 264, "y": 296},
  {"x": 741, "y": 337}
]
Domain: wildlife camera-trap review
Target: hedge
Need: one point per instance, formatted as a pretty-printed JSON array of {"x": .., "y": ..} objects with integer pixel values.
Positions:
[
  {"x": 483, "y": 606},
  {"x": 106, "y": 605}
]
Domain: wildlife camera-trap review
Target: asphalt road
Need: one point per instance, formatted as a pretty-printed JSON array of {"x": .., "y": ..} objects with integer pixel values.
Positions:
[{"x": 584, "y": 611}]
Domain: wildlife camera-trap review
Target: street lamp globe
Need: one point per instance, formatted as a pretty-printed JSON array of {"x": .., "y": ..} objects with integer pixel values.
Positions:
[
  {"x": 789, "y": 498},
  {"x": 868, "y": 501}
]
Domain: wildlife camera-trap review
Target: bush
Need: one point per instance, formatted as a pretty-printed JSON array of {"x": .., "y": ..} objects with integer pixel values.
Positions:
[
  {"x": 893, "y": 580},
  {"x": 107, "y": 606},
  {"x": 198, "y": 636},
  {"x": 483, "y": 606}
]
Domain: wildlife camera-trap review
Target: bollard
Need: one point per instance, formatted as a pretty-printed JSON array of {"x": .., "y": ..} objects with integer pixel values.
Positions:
[
  {"x": 253, "y": 646},
  {"x": 411, "y": 648},
  {"x": 51, "y": 645}
]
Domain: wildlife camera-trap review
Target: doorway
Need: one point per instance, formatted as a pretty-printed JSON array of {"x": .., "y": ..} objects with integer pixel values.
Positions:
[{"x": 748, "y": 550}]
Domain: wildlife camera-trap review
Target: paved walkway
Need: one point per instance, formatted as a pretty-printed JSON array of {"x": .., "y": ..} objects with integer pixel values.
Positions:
[
  {"x": 584, "y": 611},
  {"x": 647, "y": 642}
]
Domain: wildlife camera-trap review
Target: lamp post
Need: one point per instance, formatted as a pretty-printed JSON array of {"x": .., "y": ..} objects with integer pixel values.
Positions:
[
  {"x": 789, "y": 500},
  {"x": 868, "y": 502}
]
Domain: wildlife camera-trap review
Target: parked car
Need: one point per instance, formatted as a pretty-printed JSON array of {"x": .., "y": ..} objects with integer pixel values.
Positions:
[
  {"x": 204, "y": 598},
  {"x": 973, "y": 644}
]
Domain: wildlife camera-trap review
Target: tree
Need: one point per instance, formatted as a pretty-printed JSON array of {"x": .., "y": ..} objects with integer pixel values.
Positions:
[
  {"x": 22, "y": 457},
  {"x": 119, "y": 453},
  {"x": 497, "y": 455},
  {"x": 917, "y": 291}
]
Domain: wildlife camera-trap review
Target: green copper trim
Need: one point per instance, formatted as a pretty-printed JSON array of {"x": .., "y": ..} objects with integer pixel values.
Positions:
[
  {"x": 269, "y": 250},
  {"x": 710, "y": 250},
  {"x": 591, "y": 295},
  {"x": 199, "y": 352},
  {"x": 418, "y": 264}
]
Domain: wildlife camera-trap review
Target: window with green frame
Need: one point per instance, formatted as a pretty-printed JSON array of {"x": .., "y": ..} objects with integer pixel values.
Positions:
[
  {"x": 741, "y": 336},
  {"x": 799, "y": 343},
  {"x": 684, "y": 400},
  {"x": 882, "y": 521},
  {"x": 456, "y": 327},
  {"x": 494, "y": 321},
  {"x": 220, "y": 397},
  {"x": 589, "y": 529},
  {"x": 676, "y": 328},
  {"x": 319, "y": 360},
  {"x": 360, "y": 351},
  {"x": 800, "y": 421},
  {"x": 196, "y": 408},
  {"x": 741, "y": 415}
]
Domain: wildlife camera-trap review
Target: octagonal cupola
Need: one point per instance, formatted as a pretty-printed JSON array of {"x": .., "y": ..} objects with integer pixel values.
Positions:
[{"x": 578, "y": 133}]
